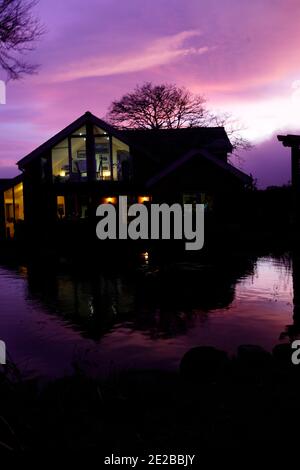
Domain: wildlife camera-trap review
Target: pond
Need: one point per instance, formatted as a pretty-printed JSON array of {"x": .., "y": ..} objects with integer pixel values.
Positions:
[{"x": 107, "y": 320}]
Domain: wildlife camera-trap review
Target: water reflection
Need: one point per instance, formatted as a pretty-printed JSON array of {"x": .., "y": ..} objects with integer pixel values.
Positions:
[
  {"x": 159, "y": 300},
  {"x": 146, "y": 315},
  {"x": 92, "y": 303},
  {"x": 292, "y": 331}
]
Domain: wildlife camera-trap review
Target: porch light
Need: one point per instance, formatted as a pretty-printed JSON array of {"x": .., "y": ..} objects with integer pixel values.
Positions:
[
  {"x": 110, "y": 200},
  {"x": 62, "y": 173},
  {"x": 142, "y": 199}
]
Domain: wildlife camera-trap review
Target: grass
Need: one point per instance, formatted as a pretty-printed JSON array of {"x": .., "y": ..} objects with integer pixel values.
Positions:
[{"x": 145, "y": 411}]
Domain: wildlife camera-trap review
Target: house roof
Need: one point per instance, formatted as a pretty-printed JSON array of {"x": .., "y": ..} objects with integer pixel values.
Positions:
[
  {"x": 166, "y": 145},
  {"x": 86, "y": 117},
  {"x": 6, "y": 183},
  {"x": 195, "y": 153},
  {"x": 169, "y": 148}
]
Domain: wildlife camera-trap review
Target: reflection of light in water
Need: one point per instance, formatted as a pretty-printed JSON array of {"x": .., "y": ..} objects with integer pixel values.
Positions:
[
  {"x": 23, "y": 271},
  {"x": 91, "y": 306},
  {"x": 145, "y": 333},
  {"x": 272, "y": 280}
]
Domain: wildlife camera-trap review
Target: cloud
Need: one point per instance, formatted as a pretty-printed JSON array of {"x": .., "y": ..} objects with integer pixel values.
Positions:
[
  {"x": 243, "y": 56},
  {"x": 259, "y": 118},
  {"x": 161, "y": 51}
]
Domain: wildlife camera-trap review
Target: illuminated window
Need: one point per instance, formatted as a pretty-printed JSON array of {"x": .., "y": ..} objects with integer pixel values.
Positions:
[
  {"x": 61, "y": 207},
  {"x": 112, "y": 159},
  {"x": 81, "y": 131},
  {"x": 103, "y": 157},
  {"x": 60, "y": 161},
  {"x": 61, "y": 170},
  {"x": 99, "y": 131},
  {"x": 78, "y": 151},
  {"x": 9, "y": 213},
  {"x": 121, "y": 160},
  {"x": 18, "y": 202},
  {"x": 13, "y": 208}
]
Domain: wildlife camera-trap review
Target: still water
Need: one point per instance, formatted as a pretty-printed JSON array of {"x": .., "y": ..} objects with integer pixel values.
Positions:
[{"x": 146, "y": 317}]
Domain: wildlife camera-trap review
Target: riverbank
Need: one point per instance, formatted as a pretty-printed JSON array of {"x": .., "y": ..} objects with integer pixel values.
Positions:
[{"x": 212, "y": 402}]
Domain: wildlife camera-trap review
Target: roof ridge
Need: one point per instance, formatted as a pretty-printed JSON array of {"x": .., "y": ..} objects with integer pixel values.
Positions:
[{"x": 190, "y": 154}]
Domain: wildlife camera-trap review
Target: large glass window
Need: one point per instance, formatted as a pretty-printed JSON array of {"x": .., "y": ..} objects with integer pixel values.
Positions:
[
  {"x": 13, "y": 208},
  {"x": 60, "y": 161},
  {"x": 19, "y": 203},
  {"x": 72, "y": 206},
  {"x": 103, "y": 158},
  {"x": 79, "y": 165},
  {"x": 99, "y": 131},
  {"x": 121, "y": 160},
  {"x": 9, "y": 213},
  {"x": 81, "y": 131},
  {"x": 69, "y": 157}
]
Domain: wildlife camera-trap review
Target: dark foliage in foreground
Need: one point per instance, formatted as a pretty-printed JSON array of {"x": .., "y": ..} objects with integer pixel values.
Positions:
[{"x": 213, "y": 403}]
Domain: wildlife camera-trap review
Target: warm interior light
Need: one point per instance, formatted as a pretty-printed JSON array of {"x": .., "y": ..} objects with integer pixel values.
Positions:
[
  {"x": 62, "y": 173},
  {"x": 61, "y": 207},
  {"x": 110, "y": 200},
  {"x": 142, "y": 199}
]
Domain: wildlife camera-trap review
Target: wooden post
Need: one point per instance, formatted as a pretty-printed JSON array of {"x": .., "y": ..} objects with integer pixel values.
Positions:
[
  {"x": 293, "y": 141},
  {"x": 295, "y": 183}
]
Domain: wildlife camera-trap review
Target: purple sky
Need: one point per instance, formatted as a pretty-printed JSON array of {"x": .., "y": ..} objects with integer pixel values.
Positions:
[{"x": 243, "y": 56}]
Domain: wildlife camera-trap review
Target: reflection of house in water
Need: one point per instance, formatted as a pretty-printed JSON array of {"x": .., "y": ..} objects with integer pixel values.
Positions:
[
  {"x": 159, "y": 302},
  {"x": 89, "y": 162},
  {"x": 93, "y": 303}
]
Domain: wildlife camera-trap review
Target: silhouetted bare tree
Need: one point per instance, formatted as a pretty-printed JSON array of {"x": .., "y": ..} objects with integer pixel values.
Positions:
[
  {"x": 168, "y": 106},
  {"x": 19, "y": 29}
]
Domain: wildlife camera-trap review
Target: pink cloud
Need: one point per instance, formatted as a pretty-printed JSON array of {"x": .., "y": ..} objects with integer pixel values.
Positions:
[{"x": 159, "y": 52}]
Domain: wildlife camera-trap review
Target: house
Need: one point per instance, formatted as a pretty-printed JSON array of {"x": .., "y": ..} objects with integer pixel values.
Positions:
[{"x": 63, "y": 180}]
